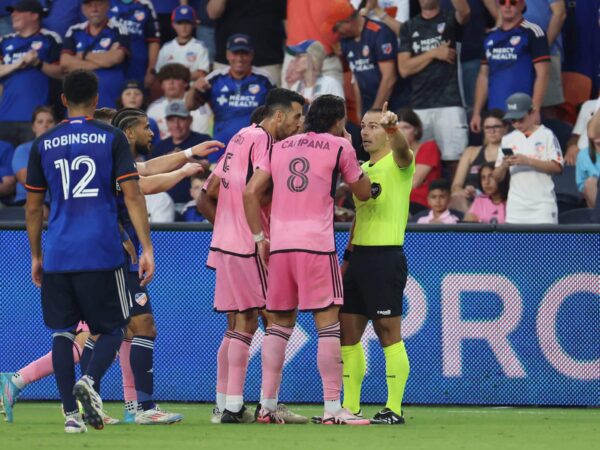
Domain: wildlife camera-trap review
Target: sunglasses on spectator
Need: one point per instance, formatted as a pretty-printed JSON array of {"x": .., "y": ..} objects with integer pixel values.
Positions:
[
  {"x": 508, "y": 2},
  {"x": 493, "y": 127}
]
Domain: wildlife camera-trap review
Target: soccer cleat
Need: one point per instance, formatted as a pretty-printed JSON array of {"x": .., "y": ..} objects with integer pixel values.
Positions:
[
  {"x": 289, "y": 416},
  {"x": 344, "y": 417},
  {"x": 109, "y": 420},
  {"x": 8, "y": 395},
  {"x": 242, "y": 416},
  {"x": 156, "y": 416},
  {"x": 216, "y": 415},
  {"x": 129, "y": 417},
  {"x": 266, "y": 416},
  {"x": 388, "y": 417},
  {"x": 90, "y": 401},
  {"x": 74, "y": 424},
  {"x": 319, "y": 419}
]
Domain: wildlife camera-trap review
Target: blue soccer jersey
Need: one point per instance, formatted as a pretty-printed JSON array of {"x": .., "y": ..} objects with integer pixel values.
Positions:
[
  {"x": 233, "y": 101},
  {"x": 511, "y": 55},
  {"x": 26, "y": 89},
  {"x": 139, "y": 18},
  {"x": 78, "y": 40},
  {"x": 377, "y": 43},
  {"x": 79, "y": 162}
]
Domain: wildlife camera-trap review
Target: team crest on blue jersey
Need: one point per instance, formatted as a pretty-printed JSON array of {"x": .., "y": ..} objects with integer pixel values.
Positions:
[
  {"x": 190, "y": 56},
  {"x": 365, "y": 51},
  {"x": 36, "y": 45},
  {"x": 139, "y": 15},
  {"x": 254, "y": 89},
  {"x": 386, "y": 48},
  {"x": 441, "y": 27},
  {"x": 105, "y": 42},
  {"x": 515, "y": 40},
  {"x": 141, "y": 298}
]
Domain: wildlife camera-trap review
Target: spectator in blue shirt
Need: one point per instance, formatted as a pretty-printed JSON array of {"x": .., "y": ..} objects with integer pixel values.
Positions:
[
  {"x": 61, "y": 15},
  {"x": 41, "y": 121},
  {"x": 7, "y": 176},
  {"x": 233, "y": 93},
  {"x": 587, "y": 170},
  {"x": 28, "y": 57},
  {"x": 100, "y": 44}
]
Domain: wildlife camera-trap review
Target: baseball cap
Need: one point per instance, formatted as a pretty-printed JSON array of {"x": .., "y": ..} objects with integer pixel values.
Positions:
[
  {"x": 176, "y": 108},
  {"x": 518, "y": 106},
  {"x": 310, "y": 46},
  {"x": 132, "y": 84},
  {"x": 239, "y": 43},
  {"x": 336, "y": 11},
  {"x": 183, "y": 13},
  {"x": 28, "y": 6}
]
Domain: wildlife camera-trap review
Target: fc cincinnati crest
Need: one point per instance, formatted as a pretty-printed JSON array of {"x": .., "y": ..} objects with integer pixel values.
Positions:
[
  {"x": 515, "y": 40},
  {"x": 141, "y": 298},
  {"x": 375, "y": 190},
  {"x": 365, "y": 51},
  {"x": 254, "y": 89},
  {"x": 386, "y": 48},
  {"x": 441, "y": 27},
  {"x": 139, "y": 15},
  {"x": 190, "y": 56},
  {"x": 105, "y": 42},
  {"x": 36, "y": 45}
]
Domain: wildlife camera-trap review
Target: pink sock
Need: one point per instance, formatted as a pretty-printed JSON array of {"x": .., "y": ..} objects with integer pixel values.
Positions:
[
  {"x": 273, "y": 357},
  {"x": 239, "y": 352},
  {"x": 223, "y": 369},
  {"x": 42, "y": 367},
  {"x": 329, "y": 360},
  {"x": 129, "y": 393}
]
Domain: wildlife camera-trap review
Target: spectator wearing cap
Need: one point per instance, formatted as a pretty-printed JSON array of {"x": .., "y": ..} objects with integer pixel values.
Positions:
[
  {"x": 233, "y": 92},
  {"x": 28, "y": 60},
  {"x": 579, "y": 137},
  {"x": 139, "y": 18},
  {"x": 370, "y": 49},
  {"x": 305, "y": 72},
  {"x": 531, "y": 153},
  {"x": 174, "y": 81},
  {"x": 132, "y": 96},
  {"x": 517, "y": 59},
  {"x": 262, "y": 20},
  {"x": 185, "y": 49},
  {"x": 179, "y": 122},
  {"x": 99, "y": 44}
]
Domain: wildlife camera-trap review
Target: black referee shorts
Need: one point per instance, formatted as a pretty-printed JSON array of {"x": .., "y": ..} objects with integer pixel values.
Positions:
[
  {"x": 374, "y": 281},
  {"x": 100, "y": 299}
]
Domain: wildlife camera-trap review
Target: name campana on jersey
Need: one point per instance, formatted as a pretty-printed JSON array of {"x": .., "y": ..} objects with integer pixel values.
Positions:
[
  {"x": 77, "y": 138},
  {"x": 303, "y": 142}
]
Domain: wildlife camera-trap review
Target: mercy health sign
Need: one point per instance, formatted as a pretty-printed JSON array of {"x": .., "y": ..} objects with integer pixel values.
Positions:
[{"x": 490, "y": 317}]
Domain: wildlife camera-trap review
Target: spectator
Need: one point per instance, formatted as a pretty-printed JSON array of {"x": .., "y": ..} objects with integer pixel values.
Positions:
[
  {"x": 61, "y": 15},
  {"x": 7, "y": 176},
  {"x": 587, "y": 171},
  {"x": 550, "y": 15},
  {"x": 438, "y": 200},
  {"x": 428, "y": 164},
  {"x": 517, "y": 59},
  {"x": 190, "y": 212},
  {"x": 42, "y": 120},
  {"x": 174, "y": 81},
  {"x": 233, "y": 92},
  {"x": 261, "y": 20},
  {"x": 179, "y": 122},
  {"x": 161, "y": 208},
  {"x": 185, "y": 49},
  {"x": 305, "y": 72},
  {"x": 535, "y": 157},
  {"x": 205, "y": 33},
  {"x": 428, "y": 55},
  {"x": 466, "y": 179},
  {"x": 100, "y": 44},
  {"x": 579, "y": 139},
  {"x": 164, "y": 9},
  {"x": 105, "y": 115},
  {"x": 490, "y": 205},
  {"x": 139, "y": 19},
  {"x": 132, "y": 96},
  {"x": 28, "y": 58},
  {"x": 370, "y": 49},
  {"x": 385, "y": 11}
]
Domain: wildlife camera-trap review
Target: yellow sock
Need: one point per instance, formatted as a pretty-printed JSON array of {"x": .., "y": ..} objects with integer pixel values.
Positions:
[
  {"x": 355, "y": 366},
  {"x": 397, "y": 369}
]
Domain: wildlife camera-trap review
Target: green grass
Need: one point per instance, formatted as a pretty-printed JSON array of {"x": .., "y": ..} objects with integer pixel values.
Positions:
[{"x": 39, "y": 425}]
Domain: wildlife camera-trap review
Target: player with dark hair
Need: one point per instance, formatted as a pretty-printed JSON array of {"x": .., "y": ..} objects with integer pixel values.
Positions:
[
  {"x": 105, "y": 114},
  {"x": 304, "y": 273},
  {"x": 241, "y": 277},
  {"x": 81, "y": 274}
]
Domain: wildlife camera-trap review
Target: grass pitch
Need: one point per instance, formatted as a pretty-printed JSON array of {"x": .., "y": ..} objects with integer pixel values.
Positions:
[{"x": 39, "y": 426}]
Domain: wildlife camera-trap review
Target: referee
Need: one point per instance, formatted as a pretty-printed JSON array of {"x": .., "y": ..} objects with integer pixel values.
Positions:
[{"x": 374, "y": 265}]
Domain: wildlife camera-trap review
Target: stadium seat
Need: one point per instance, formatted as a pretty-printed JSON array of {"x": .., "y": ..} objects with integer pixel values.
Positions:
[
  {"x": 12, "y": 213},
  {"x": 575, "y": 216},
  {"x": 567, "y": 195}
]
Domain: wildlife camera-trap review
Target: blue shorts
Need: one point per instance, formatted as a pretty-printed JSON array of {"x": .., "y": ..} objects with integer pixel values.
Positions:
[
  {"x": 98, "y": 298},
  {"x": 140, "y": 299}
]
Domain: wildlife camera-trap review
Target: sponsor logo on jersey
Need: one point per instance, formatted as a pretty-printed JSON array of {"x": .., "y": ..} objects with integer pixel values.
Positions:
[
  {"x": 489, "y": 43},
  {"x": 139, "y": 15},
  {"x": 365, "y": 51},
  {"x": 441, "y": 27},
  {"x": 254, "y": 89},
  {"x": 387, "y": 312},
  {"x": 141, "y": 298},
  {"x": 415, "y": 34},
  {"x": 10, "y": 47},
  {"x": 351, "y": 54},
  {"x": 224, "y": 89},
  {"x": 115, "y": 9},
  {"x": 221, "y": 100},
  {"x": 375, "y": 190},
  {"x": 515, "y": 40},
  {"x": 36, "y": 45},
  {"x": 105, "y": 42},
  {"x": 79, "y": 45},
  {"x": 386, "y": 48}
]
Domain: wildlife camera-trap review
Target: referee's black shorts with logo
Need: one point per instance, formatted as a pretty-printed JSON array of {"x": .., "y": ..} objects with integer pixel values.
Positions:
[
  {"x": 374, "y": 281},
  {"x": 101, "y": 299}
]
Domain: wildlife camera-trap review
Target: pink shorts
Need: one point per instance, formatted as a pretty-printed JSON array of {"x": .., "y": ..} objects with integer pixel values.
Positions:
[
  {"x": 241, "y": 282},
  {"x": 302, "y": 280}
]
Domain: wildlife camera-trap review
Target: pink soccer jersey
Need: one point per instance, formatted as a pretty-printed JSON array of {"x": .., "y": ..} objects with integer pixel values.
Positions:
[
  {"x": 304, "y": 169},
  {"x": 248, "y": 149}
]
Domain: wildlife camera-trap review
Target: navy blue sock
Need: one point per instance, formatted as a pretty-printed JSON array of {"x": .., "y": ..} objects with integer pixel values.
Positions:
[
  {"x": 64, "y": 368},
  {"x": 142, "y": 361},
  {"x": 104, "y": 355},
  {"x": 84, "y": 361}
]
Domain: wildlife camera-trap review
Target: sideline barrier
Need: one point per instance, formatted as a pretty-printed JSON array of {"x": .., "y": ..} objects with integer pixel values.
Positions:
[{"x": 499, "y": 315}]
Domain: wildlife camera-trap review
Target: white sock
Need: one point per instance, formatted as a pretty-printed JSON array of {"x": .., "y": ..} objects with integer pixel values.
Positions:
[
  {"x": 234, "y": 403},
  {"x": 262, "y": 398},
  {"x": 131, "y": 406},
  {"x": 221, "y": 401},
  {"x": 17, "y": 380},
  {"x": 269, "y": 404},
  {"x": 333, "y": 406}
]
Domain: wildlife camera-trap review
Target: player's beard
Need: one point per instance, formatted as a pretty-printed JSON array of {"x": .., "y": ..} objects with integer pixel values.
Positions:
[{"x": 143, "y": 150}]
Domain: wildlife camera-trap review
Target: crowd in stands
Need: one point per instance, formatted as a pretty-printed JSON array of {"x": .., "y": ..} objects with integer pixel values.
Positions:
[{"x": 490, "y": 94}]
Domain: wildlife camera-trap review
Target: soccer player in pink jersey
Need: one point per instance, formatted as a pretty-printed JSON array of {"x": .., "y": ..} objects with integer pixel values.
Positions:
[
  {"x": 241, "y": 277},
  {"x": 304, "y": 271}
]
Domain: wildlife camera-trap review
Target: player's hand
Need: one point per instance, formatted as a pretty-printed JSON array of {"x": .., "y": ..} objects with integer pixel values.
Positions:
[
  {"x": 146, "y": 268},
  {"x": 389, "y": 120},
  {"x": 130, "y": 249},
  {"x": 201, "y": 85},
  {"x": 571, "y": 155},
  {"x": 518, "y": 160},
  {"x": 475, "y": 123},
  {"x": 470, "y": 191},
  {"x": 190, "y": 169},
  {"x": 347, "y": 136},
  {"x": 445, "y": 53},
  {"x": 36, "y": 272},
  {"x": 206, "y": 148},
  {"x": 264, "y": 249}
]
